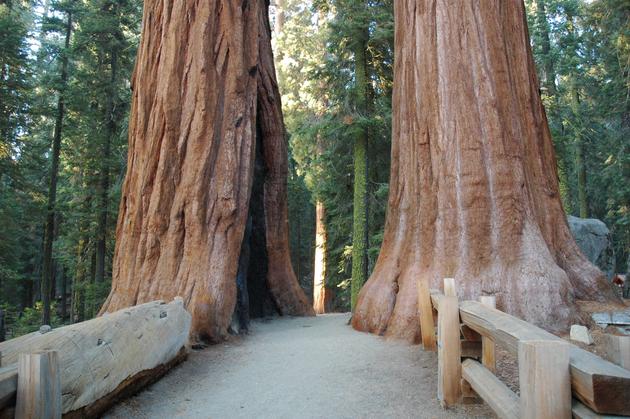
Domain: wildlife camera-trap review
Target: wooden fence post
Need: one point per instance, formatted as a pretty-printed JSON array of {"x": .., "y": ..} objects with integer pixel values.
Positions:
[
  {"x": 487, "y": 345},
  {"x": 2, "y": 330},
  {"x": 425, "y": 311},
  {"x": 617, "y": 350},
  {"x": 449, "y": 287},
  {"x": 449, "y": 353},
  {"x": 544, "y": 379},
  {"x": 39, "y": 386}
]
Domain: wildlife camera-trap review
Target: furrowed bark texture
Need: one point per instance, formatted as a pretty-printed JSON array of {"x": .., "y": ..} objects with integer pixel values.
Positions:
[
  {"x": 322, "y": 294},
  {"x": 281, "y": 279},
  {"x": 473, "y": 188},
  {"x": 204, "y": 81}
]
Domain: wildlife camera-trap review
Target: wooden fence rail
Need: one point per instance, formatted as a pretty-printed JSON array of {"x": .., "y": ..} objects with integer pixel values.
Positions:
[{"x": 551, "y": 370}]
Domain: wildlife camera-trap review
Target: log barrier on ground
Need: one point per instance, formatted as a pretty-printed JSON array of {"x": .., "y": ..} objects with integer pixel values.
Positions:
[{"x": 82, "y": 369}]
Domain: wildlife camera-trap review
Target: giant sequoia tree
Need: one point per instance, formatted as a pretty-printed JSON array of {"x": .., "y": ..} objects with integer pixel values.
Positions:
[
  {"x": 474, "y": 191},
  {"x": 205, "y": 131}
]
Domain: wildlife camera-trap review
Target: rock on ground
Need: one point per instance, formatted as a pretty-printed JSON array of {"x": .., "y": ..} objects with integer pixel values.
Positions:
[
  {"x": 300, "y": 368},
  {"x": 594, "y": 239},
  {"x": 581, "y": 334}
]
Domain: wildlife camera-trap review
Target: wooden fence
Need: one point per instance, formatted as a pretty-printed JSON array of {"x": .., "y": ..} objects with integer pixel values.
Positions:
[
  {"x": 33, "y": 386},
  {"x": 556, "y": 378}
]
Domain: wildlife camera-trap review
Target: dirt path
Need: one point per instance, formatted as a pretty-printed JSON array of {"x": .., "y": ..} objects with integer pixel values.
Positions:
[{"x": 299, "y": 368}]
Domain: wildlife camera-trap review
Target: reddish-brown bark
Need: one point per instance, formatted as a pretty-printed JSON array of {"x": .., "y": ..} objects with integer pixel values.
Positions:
[
  {"x": 473, "y": 192},
  {"x": 204, "y": 88},
  {"x": 322, "y": 294}
]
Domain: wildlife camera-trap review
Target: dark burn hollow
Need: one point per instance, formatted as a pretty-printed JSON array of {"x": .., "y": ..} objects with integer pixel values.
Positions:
[{"x": 253, "y": 296}]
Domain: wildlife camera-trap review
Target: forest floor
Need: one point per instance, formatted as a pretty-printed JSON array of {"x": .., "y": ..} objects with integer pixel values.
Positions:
[{"x": 316, "y": 367}]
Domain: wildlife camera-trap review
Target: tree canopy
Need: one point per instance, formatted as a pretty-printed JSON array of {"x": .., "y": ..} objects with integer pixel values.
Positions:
[{"x": 335, "y": 66}]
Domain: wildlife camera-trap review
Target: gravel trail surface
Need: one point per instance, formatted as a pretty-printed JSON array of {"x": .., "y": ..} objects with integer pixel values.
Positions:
[{"x": 316, "y": 367}]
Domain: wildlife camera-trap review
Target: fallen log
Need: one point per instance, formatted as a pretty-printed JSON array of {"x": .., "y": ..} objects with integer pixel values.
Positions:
[
  {"x": 601, "y": 385},
  {"x": 103, "y": 358}
]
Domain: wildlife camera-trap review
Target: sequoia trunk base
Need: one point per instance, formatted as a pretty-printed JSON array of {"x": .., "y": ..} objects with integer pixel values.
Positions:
[
  {"x": 473, "y": 191},
  {"x": 204, "y": 86}
]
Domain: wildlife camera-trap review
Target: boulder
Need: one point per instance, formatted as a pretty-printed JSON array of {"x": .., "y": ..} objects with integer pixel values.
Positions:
[
  {"x": 581, "y": 334},
  {"x": 594, "y": 239}
]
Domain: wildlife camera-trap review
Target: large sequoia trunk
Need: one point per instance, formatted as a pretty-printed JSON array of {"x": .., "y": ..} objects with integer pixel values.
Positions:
[
  {"x": 204, "y": 89},
  {"x": 473, "y": 192}
]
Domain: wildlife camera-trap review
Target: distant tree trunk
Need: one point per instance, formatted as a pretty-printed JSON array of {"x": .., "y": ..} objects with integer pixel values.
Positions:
[
  {"x": 549, "y": 78},
  {"x": 280, "y": 18},
  {"x": 47, "y": 270},
  {"x": 101, "y": 231},
  {"x": 299, "y": 245},
  {"x": 63, "y": 312},
  {"x": 580, "y": 164},
  {"x": 322, "y": 294},
  {"x": 77, "y": 303},
  {"x": 360, "y": 233},
  {"x": 578, "y": 140},
  {"x": 204, "y": 87},
  {"x": 551, "y": 90},
  {"x": 2, "y": 331},
  {"x": 473, "y": 188}
]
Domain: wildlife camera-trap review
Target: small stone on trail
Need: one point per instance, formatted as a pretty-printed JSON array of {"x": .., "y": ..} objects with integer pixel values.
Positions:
[
  {"x": 581, "y": 334},
  {"x": 45, "y": 329}
]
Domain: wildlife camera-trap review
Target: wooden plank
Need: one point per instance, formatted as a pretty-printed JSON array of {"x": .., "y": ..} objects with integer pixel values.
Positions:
[
  {"x": 435, "y": 311},
  {"x": 469, "y": 396},
  {"x": 449, "y": 353},
  {"x": 544, "y": 379},
  {"x": 582, "y": 412},
  {"x": 487, "y": 345},
  {"x": 496, "y": 394},
  {"x": 435, "y": 301},
  {"x": 449, "y": 287},
  {"x": 601, "y": 385},
  {"x": 8, "y": 385},
  {"x": 39, "y": 386},
  {"x": 425, "y": 311},
  {"x": 617, "y": 350}
]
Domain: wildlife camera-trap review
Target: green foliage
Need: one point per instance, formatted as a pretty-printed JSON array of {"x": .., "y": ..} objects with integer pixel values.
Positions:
[
  {"x": 302, "y": 228},
  {"x": 581, "y": 50},
  {"x": 97, "y": 94},
  {"x": 589, "y": 105},
  {"x": 316, "y": 69},
  {"x": 27, "y": 320}
]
